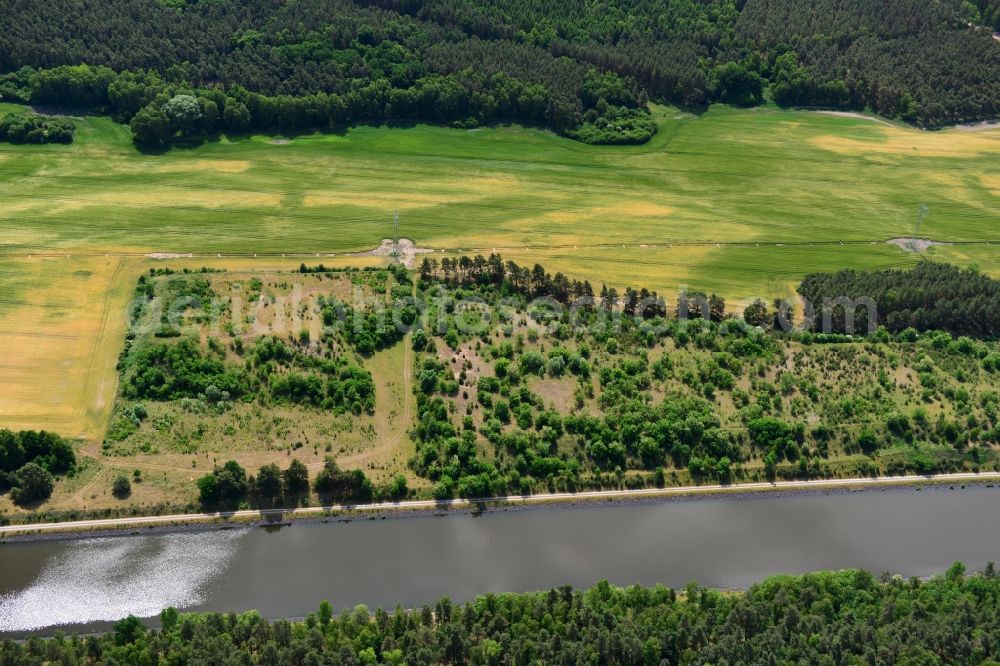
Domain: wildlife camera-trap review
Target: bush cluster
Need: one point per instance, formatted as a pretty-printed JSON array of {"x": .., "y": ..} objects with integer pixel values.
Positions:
[
  {"x": 34, "y": 128},
  {"x": 30, "y": 461}
]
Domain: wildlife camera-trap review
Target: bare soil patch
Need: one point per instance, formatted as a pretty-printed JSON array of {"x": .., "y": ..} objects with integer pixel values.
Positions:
[
  {"x": 169, "y": 255},
  {"x": 914, "y": 244},
  {"x": 405, "y": 250}
]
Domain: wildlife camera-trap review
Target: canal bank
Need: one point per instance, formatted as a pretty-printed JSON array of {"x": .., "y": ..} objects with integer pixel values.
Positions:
[{"x": 263, "y": 517}]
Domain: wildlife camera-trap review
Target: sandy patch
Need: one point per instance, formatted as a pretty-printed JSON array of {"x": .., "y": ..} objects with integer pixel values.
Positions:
[
  {"x": 917, "y": 143},
  {"x": 638, "y": 209},
  {"x": 631, "y": 210},
  {"x": 279, "y": 142},
  {"x": 962, "y": 188},
  {"x": 556, "y": 392},
  {"x": 222, "y": 166},
  {"x": 493, "y": 184},
  {"x": 421, "y": 193},
  {"x": 977, "y": 127},
  {"x": 11, "y": 209}
]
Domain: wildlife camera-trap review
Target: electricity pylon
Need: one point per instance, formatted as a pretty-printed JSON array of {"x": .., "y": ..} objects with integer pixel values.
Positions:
[{"x": 922, "y": 211}]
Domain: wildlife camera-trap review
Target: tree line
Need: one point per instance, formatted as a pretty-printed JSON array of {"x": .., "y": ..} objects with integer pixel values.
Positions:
[
  {"x": 584, "y": 71},
  {"x": 230, "y": 485},
  {"x": 900, "y": 59},
  {"x": 843, "y": 617}
]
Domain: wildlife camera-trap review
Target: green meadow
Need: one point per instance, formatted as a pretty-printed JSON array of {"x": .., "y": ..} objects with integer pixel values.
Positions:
[{"x": 659, "y": 215}]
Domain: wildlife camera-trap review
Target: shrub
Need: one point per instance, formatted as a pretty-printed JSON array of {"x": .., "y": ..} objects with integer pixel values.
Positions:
[
  {"x": 296, "y": 478},
  {"x": 32, "y": 483},
  {"x": 121, "y": 487},
  {"x": 343, "y": 485}
]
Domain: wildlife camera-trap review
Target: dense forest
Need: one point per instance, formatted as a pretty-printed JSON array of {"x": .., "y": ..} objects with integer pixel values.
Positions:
[
  {"x": 929, "y": 296},
  {"x": 187, "y": 68},
  {"x": 845, "y": 617}
]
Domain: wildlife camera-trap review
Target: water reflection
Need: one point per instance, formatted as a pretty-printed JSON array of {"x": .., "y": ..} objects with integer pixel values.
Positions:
[{"x": 106, "y": 579}]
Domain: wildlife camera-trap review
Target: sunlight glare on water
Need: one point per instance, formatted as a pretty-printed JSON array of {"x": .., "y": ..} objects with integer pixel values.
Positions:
[{"x": 107, "y": 579}]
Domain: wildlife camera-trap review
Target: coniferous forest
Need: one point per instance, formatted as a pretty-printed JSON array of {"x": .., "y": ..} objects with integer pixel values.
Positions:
[
  {"x": 846, "y": 617},
  {"x": 187, "y": 68},
  {"x": 929, "y": 296}
]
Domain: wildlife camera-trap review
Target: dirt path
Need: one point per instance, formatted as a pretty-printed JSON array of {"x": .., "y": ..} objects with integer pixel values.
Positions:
[
  {"x": 382, "y": 252},
  {"x": 99, "y": 398},
  {"x": 396, "y": 438},
  {"x": 858, "y": 116},
  {"x": 81, "y": 494},
  {"x": 516, "y": 500}
]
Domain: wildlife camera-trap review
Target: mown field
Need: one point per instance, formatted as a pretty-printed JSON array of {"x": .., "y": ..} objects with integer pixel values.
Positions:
[
  {"x": 729, "y": 176},
  {"x": 741, "y": 202}
]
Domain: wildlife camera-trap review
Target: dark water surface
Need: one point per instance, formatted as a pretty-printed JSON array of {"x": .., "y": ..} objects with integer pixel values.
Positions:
[{"x": 720, "y": 542}]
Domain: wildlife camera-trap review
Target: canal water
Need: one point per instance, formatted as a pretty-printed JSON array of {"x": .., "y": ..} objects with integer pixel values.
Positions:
[{"x": 729, "y": 542}]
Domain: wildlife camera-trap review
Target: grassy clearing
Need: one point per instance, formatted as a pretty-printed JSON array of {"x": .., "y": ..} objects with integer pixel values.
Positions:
[{"x": 251, "y": 306}]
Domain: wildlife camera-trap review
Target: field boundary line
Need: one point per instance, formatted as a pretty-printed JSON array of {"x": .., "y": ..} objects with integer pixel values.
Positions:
[{"x": 340, "y": 254}]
